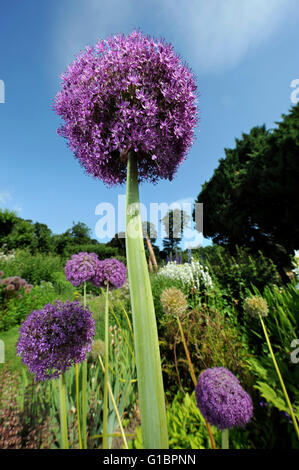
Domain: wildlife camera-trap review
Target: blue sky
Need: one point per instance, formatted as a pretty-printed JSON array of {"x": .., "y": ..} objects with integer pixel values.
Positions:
[{"x": 243, "y": 53}]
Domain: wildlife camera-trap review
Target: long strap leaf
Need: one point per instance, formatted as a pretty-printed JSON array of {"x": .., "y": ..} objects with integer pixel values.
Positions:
[{"x": 149, "y": 373}]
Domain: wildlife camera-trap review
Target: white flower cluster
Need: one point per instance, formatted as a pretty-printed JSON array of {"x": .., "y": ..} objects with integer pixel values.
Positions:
[
  {"x": 193, "y": 274},
  {"x": 296, "y": 264},
  {"x": 7, "y": 256}
]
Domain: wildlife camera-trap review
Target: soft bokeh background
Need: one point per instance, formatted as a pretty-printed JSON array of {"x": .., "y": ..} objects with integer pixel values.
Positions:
[{"x": 244, "y": 55}]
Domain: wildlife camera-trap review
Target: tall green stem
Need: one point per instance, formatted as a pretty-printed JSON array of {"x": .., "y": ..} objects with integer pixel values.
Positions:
[
  {"x": 106, "y": 374},
  {"x": 193, "y": 376},
  {"x": 280, "y": 378},
  {"x": 84, "y": 387},
  {"x": 122, "y": 432},
  {"x": 78, "y": 406},
  {"x": 63, "y": 413},
  {"x": 149, "y": 373},
  {"x": 225, "y": 439}
]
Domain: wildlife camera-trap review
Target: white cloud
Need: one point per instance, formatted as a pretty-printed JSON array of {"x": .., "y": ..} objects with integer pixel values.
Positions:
[
  {"x": 4, "y": 197},
  {"x": 219, "y": 33},
  {"x": 196, "y": 241},
  {"x": 86, "y": 22},
  {"x": 17, "y": 208},
  {"x": 211, "y": 34}
]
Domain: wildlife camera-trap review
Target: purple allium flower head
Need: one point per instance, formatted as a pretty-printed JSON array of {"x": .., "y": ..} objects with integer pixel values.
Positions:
[
  {"x": 110, "y": 271},
  {"x": 81, "y": 268},
  {"x": 222, "y": 400},
  {"x": 128, "y": 93},
  {"x": 54, "y": 338}
]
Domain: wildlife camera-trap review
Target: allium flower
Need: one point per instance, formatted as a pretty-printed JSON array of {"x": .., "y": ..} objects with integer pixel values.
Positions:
[
  {"x": 10, "y": 287},
  {"x": 81, "y": 268},
  {"x": 14, "y": 284},
  {"x": 192, "y": 274},
  {"x": 256, "y": 306},
  {"x": 222, "y": 400},
  {"x": 174, "y": 302},
  {"x": 128, "y": 93},
  {"x": 54, "y": 338},
  {"x": 110, "y": 271},
  {"x": 98, "y": 349}
]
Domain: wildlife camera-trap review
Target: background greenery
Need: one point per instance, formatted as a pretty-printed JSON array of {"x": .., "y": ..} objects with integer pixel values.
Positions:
[{"x": 253, "y": 245}]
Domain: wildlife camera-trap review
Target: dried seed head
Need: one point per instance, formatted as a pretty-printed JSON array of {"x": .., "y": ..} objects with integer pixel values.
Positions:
[
  {"x": 174, "y": 302},
  {"x": 98, "y": 348},
  {"x": 256, "y": 306}
]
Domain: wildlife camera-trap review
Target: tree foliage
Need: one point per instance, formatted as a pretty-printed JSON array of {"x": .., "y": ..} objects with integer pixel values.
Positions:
[
  {"x": 16, "y": 232},
  {"x": 252, "y": 200}
]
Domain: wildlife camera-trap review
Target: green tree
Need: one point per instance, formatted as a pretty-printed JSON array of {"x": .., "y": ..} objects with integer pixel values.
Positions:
[
  {"x": 73, "y": 239},
  {"x": 118, "y": 242},
  {"x": 80, "y": 233},
  {"x": 63, "y": 242},
  {"x": 44, "y": 238},
  {"x": 8, "y": 219},
  {"x": 22, "y": 236}
]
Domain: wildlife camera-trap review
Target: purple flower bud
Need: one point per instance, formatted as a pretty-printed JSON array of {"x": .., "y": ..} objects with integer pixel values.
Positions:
[{"x": 222, "y": 400}]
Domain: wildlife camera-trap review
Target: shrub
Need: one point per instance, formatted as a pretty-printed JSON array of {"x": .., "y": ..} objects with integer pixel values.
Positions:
[
  {"x": 99, "y": 249},
  {"x": 16, "y": 310},
  {"x": 33, "y": 268},
  {"x": 213, "y": 339},
  {"x": 234, "y": 274}
]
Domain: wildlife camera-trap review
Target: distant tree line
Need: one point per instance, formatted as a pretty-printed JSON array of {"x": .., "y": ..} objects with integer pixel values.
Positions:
[
  {"x": 16, "y": 232},
  {"x": 36, "y": 237}
]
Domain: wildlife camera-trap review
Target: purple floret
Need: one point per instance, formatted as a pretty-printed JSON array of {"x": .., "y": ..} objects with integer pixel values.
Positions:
[
  {"x": 128, "y": 93},
  {"x": 81, "y": 268},
  {"x": 222, "y": 400},
  {"x": 56, "y": 337},
  {"x": 110, "y": 271}
]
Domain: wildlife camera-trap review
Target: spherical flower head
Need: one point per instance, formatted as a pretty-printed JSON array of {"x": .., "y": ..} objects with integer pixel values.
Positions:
[
  {"x": 110, "y": 271},
  {"x": 10, "y": 287},
  {"x": 174, "y": 302},
  {"x": 256, "y": 306},
  {"x": 81, "y": 268},
  {"x": 56, "y": 337},
  {"x": 98, "y": 349},
  {"x": 128, "y": 93},
  {"x": 7, "y": 280},
  {"x": 222, "y": 400}
]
